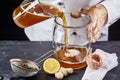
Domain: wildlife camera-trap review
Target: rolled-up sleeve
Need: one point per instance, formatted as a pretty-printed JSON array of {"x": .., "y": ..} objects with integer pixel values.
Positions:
[{"x": 113, "y": 8}]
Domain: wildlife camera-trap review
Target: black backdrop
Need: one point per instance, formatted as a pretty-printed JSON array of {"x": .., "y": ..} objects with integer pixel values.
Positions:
[
  {"x": 114, "y": 31},
  {"x": 10, "y": 31}
]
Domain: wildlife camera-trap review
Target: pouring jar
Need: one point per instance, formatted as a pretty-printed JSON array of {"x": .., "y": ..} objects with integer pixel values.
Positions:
[
  {"x": 35, "y": 11},
  {"x": 71, "y": 43}
]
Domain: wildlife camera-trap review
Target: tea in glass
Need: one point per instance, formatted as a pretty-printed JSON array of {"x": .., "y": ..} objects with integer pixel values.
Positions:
[
  {"x": 71, "y": 44},
  {"x": 31, "y": 12}
]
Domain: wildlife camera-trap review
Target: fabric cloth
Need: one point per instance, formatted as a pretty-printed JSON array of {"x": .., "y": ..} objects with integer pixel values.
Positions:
[
  {"x": 109, "y": 62},
  {"x": 36, "y": 33}
]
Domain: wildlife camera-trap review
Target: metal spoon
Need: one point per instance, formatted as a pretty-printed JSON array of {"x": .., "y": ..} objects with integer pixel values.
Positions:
[{"x": 28, "y": 68}]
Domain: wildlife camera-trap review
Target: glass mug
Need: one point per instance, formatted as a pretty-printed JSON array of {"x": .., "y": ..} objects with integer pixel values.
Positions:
[
  {"x": 30, "y": 12},
  {"x": 71, "y": 43}
]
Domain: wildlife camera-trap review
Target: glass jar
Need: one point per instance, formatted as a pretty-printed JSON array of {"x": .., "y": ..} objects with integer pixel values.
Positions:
[
  {"x": 31, "y": 12},
  {"x": 71, "y": 43}
]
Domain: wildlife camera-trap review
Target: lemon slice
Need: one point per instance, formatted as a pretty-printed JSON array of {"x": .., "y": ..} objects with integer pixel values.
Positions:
[{"x": 51, "y": 65}]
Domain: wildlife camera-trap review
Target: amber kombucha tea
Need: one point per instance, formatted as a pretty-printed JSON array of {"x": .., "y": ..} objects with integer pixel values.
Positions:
[
  {"x": 76, "y": 62},
  {"x": 33, "y": 15}
]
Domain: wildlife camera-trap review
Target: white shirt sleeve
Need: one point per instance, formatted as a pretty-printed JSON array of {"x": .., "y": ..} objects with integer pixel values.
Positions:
[{"x": 113, "y": 8}]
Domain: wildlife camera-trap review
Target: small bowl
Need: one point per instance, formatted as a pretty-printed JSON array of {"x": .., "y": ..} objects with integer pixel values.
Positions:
[{"x": 24, "y": 67}]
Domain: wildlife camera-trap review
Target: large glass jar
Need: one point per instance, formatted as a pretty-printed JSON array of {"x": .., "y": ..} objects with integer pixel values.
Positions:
[{"x": 71, "y": 43}]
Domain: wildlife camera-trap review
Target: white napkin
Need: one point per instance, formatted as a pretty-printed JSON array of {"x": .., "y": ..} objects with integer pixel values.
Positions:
[{"x": 109, "y": 62}]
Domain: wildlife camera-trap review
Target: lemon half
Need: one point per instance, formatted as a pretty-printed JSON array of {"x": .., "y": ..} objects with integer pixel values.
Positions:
[{"x": 51, "y": 65}]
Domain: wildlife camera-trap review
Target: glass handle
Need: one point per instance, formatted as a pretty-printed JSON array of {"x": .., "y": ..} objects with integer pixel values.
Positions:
[{"x": 53, "y": 38}]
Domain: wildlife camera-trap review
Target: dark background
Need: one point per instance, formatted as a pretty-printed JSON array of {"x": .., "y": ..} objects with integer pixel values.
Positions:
[{"x": 10, "y": 31}]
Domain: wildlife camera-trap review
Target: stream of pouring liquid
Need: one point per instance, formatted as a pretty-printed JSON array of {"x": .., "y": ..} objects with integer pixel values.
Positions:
[{"x": 65, "y": 30}]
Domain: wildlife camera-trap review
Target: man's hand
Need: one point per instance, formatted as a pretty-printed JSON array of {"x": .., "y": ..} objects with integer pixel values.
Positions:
[{"x": 98, "y": 15}]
